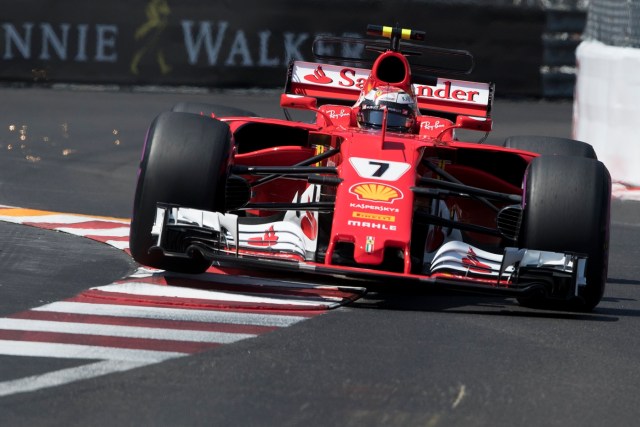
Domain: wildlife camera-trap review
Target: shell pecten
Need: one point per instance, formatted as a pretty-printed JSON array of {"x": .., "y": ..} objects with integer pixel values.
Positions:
[{"x": 375, "y": 192}]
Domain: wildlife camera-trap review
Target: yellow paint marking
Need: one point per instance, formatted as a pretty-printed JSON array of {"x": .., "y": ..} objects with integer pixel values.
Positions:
[
  {"x": 22, "y": 212},
  {"x": 18, "y": 212}
]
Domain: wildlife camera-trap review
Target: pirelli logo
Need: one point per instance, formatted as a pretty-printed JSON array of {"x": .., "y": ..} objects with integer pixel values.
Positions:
[{"x": 373, "y": 216}]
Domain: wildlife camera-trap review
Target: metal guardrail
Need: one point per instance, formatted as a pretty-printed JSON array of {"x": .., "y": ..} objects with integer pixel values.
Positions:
[{"x": 614, "y": 22}]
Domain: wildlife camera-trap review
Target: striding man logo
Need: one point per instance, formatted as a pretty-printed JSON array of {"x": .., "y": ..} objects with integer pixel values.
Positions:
[{"x": 149, "y": 34}]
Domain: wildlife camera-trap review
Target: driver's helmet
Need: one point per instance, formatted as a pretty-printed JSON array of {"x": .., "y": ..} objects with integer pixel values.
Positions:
[{"x": 401, "y": 109}]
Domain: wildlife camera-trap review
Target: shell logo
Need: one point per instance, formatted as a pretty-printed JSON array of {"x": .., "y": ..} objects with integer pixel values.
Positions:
[{"x": 376, "y": 192}]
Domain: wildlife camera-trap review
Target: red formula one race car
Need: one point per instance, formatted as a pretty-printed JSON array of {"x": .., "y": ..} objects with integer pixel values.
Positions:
[{"x": 377, "y": 186}]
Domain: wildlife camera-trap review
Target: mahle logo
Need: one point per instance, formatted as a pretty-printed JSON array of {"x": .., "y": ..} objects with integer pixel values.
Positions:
[{"x": 376, "y": 192}]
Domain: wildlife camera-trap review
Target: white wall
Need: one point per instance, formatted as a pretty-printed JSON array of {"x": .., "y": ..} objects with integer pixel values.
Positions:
[{"x": 607, "y": 108}]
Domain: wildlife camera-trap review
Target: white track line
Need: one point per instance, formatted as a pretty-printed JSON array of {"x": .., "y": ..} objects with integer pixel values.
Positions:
[
  {"x": 79, "y": 351},
  {"x": 108, "y": 232},
  {"x": 118, "y": 244},
  {"x": 66, "y": 376},
  {"x": 171, "y": 313},
  {"x": 121, "y": 331},
  {"x": 114, "y": 359},
  {"x": 137, "y": 288}
]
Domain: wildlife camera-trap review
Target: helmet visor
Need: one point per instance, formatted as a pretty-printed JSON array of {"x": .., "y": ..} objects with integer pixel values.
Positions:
[{"x": 395, "y": 121}]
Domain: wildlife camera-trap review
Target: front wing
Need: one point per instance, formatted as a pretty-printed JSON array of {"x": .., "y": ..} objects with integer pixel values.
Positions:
[{"x": 228, "y": 243}]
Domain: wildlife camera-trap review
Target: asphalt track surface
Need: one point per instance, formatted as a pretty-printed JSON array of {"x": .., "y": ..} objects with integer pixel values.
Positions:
[{"x": 396, "y": 359}]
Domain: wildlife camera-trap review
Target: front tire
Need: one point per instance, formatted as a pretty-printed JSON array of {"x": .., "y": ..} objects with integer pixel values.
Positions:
[
  {"x": 211, "y": 110},
  {"x": 551, "y": 145},
  {"x": 566, "y": 209},
  {"x": 185, "y": 162}
]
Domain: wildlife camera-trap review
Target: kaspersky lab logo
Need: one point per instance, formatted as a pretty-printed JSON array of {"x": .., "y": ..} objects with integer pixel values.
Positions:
[{"x": 374, "y": 192}]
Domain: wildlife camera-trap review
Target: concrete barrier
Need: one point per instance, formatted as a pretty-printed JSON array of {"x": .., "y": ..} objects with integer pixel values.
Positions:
[{"x": 607, "y": 108}]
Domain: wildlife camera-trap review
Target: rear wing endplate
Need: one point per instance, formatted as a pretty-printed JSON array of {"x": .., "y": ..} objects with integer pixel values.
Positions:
[{"x": 342, "y": 84}]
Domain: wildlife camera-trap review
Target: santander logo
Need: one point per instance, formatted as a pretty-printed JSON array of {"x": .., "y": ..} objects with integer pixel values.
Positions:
[
  {"x": 340, "y": 77},
  {"x": 319, "y": 77},
  {"x": 444, "y": 91}
]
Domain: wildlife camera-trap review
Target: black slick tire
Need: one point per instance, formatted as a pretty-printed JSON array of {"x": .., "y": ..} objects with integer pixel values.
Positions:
[
  {"x": 184, "y": 162},
  {"x": 550, "y": 145},
  {"x": 211, "y": 110},
  {"x": 566, "y": 209}
]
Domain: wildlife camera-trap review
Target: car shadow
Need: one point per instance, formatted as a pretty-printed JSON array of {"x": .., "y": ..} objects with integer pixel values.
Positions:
[
  {"x": 617, "y": 281},
  {"x": 410, "y": 298},
  {"x": 464, "y": 303}
]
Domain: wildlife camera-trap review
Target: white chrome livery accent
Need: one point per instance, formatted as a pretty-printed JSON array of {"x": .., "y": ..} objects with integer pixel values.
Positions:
[{"x": 466, "y": 259}]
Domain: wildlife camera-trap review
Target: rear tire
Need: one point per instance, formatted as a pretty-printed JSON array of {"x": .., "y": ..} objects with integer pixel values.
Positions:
[
  {"x": 184, "y": 162},
  {"x": 211, "y": 110},
  {"x": 566, "y": 209},
  {"x": 550, "y": 145}
]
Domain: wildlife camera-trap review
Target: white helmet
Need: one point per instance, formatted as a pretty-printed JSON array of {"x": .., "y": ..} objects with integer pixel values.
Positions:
[{"x": 401, "y": 109}]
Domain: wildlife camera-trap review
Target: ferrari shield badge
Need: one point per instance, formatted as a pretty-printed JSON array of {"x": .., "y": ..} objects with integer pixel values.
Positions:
[{"x": 370, "y": 244}]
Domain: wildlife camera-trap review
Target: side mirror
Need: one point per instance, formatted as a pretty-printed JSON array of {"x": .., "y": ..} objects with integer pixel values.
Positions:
[
  {"x": 481, "y": 124},
  {"x": 304, "y": 103},
  {"x": 474, "y": 123},
  {"x": 298, "y": 102}
]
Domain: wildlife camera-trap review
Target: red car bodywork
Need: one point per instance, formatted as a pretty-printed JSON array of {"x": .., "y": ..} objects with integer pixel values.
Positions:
[{"x": 329, "y": 197}]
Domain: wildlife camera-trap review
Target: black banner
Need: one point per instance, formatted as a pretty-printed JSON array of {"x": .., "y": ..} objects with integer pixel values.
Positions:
[{"x": 245, "y": 43}]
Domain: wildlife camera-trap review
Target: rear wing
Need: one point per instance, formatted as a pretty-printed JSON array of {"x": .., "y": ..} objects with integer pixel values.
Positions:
[{"x": 342, "y": 84}]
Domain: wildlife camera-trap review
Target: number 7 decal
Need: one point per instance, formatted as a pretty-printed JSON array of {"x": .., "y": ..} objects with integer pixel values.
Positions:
[
  {"x": 381, "y": 169},
  {"x": 384, "y": 171}
]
